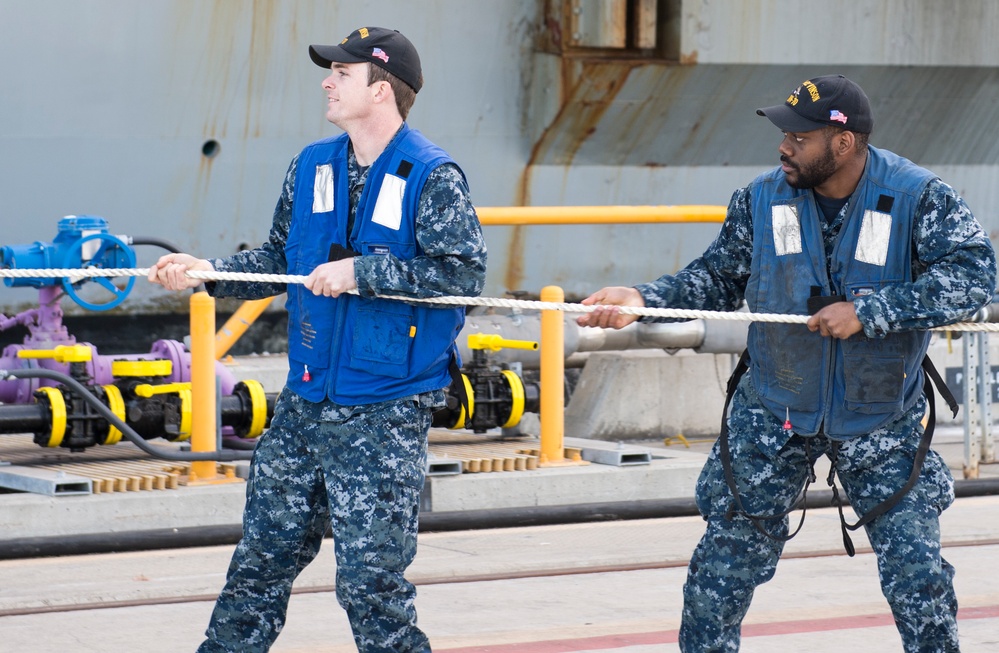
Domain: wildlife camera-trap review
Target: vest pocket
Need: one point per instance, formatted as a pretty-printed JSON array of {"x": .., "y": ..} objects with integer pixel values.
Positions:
[
  {"x": 310, "y": 342},
  {"x": 788, "y": 363},
  {"x": 874, "y": 384},
  {"x": 383, "y": 337}
]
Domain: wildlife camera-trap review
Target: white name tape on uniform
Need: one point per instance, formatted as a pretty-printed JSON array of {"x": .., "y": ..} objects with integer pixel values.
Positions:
[
  {"x": 388, "y": 207},
  {"x": 875, "y": 235},
  {"x": 787, "y": 229},
  {"x": 322, "y": 189}
]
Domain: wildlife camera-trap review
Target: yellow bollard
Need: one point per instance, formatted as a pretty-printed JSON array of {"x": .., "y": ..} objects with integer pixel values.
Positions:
[
  {"x": 236, "y": 326},
  {"x": 203, "y": 407},
  {"x": 552, "y": 379}
]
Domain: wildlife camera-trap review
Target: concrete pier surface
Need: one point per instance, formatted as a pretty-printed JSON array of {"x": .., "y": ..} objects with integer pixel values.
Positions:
[
  {"x": 603, "y": 586},
  {"x": 614, "y": 587}
]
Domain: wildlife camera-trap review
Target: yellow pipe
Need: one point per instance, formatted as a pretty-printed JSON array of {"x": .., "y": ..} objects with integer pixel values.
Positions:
[
  {"x": 203, "y": 407},
  {"x": 237, "y": 325},
  {"x": 538, "y": 215},
  {"x": 552, "y": 373}
]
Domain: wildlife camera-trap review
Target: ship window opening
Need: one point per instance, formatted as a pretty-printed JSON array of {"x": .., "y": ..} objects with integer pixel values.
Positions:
[
  {"x": 211, "y": 148},
  {"x": 625, "y": 28}
]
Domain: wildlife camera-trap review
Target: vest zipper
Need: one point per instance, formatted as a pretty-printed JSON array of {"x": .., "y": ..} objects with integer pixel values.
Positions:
[{"x": 334, "y": 367}]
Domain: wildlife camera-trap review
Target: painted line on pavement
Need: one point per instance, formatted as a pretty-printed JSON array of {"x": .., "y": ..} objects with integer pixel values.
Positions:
[
  {"x": 573, "y": 645},
  {"x": 577, "y": 645}
]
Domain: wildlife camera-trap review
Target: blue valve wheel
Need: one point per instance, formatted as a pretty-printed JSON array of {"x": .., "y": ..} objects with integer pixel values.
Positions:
[{"x": 112, "y": 252}]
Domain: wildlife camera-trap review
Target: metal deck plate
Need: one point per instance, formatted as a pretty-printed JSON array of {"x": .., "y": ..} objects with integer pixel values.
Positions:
[{"x": 43, "y": 481}]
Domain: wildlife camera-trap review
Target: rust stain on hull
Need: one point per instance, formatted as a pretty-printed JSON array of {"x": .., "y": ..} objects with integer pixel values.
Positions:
[{"x": 589, "y": 89}]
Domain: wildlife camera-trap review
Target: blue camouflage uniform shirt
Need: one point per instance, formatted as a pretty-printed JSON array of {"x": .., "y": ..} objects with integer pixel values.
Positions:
[
  {"x": 453, "y": 262},
  {"x": 953, "y": 270}
]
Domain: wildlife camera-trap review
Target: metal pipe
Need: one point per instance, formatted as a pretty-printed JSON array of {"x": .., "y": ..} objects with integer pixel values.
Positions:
[
  {"x": 145, "y": 417},
  {"x": 703, "y": 336},
  {"x": 24, "y": 418},
  {"x": 105, "y": 412},
  {"x": 562, "y": 215},
  {"x": 642, "y": 335}
]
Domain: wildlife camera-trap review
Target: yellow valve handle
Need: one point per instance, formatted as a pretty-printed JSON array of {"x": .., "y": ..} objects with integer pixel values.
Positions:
[
  {"x": 147, "y": 390},
  {"x": 61, "y": 354},
  {"x": 494, "y": 342}
]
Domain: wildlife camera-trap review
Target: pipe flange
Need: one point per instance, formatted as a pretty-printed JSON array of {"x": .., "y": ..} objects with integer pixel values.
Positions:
[
  {"x": 57, "y": 411},
  {"x": 117, "y": 405},
  {"x": 516, "y": 398}
]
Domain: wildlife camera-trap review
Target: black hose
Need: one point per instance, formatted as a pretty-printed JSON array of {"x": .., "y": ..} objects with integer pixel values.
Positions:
[
  {"x": 223, "y": 534},
  {"x": 618, "y": 510},
  {"x": 157, "y": 242},
  {"x": 82, "y": 544},
  {"x": 127, "y": 431},
  {"x": 459, "y": 520},
  {"x": 238, "y": 444}
]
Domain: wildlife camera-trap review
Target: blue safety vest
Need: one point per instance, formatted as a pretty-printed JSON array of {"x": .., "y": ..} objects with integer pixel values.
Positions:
[
  {"x": 358, "y": 350},
  {"x": 846, "y": 387}
]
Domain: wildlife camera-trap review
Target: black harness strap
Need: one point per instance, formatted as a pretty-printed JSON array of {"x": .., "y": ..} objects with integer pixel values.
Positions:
[
  {"x": 726, "y": 460},
  {"x": 932, "y": 378}
]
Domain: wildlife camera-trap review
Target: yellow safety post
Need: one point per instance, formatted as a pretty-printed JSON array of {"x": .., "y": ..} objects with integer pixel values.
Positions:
[
  {"x": 237, "y": 325},
  {"x": 552, "y": 381},
  {"x": 553, "y": 451},
  {"x": 203, "y": 408}
]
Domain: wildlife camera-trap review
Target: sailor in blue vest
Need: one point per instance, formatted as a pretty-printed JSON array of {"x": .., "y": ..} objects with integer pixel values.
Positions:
[
  {"x": 382, "y": 211},
  {"x": 877, "y": 250}
]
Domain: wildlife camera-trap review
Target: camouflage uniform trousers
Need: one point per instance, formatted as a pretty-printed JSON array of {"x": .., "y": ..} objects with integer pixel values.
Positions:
[
  {"x": 733, "y": 557},
  {"x": 360, "y": 468}
]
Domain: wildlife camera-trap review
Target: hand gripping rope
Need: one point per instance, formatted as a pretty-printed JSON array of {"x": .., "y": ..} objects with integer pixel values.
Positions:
[{"x": 77, "y": 274}]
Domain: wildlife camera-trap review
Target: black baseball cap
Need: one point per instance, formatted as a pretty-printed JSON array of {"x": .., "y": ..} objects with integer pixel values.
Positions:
[
  {"x": 830, "y": 100},
  {"x": 386, "y": 48}
]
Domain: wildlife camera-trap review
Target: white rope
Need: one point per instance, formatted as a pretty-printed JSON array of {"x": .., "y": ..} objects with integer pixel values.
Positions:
[{"x": 77, "y": 274}]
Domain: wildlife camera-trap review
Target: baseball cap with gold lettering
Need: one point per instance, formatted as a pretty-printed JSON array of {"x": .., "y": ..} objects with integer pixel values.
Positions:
[
  {"x": 830, "y": 100},
  {"x": 385, "y": 48}
]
